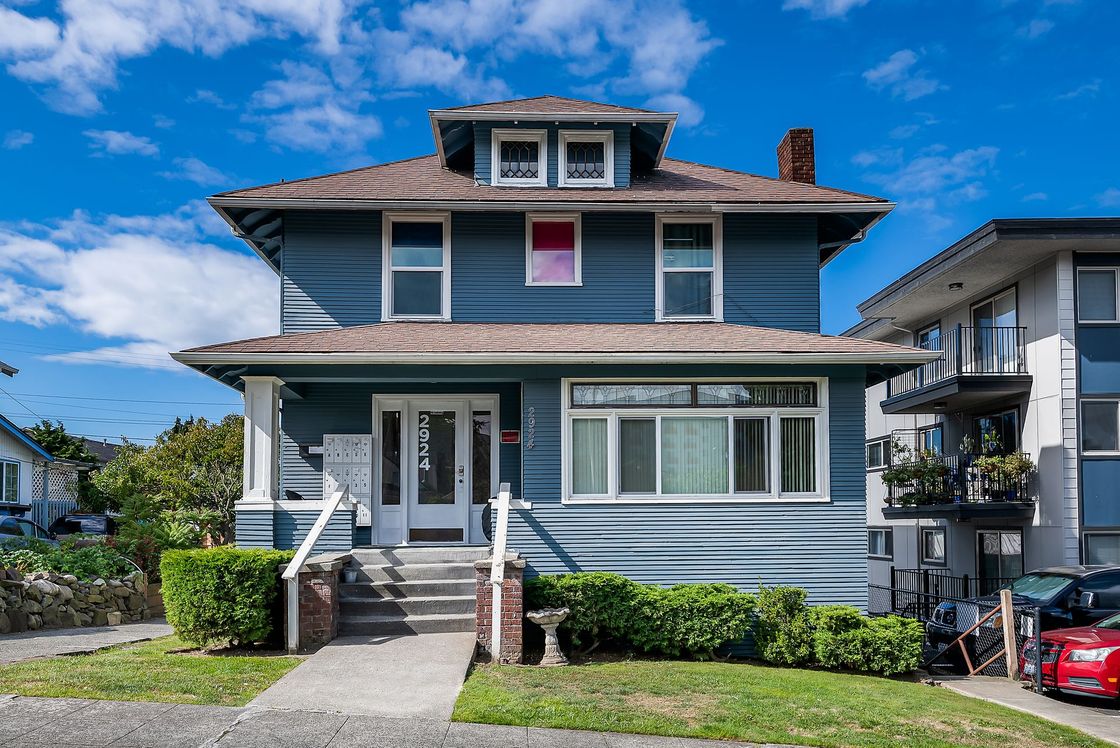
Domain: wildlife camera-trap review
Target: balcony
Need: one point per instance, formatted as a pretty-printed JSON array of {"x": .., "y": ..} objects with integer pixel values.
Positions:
[
  {"x": 960, "y": 487},
  {"x": 976, "y": 364}
]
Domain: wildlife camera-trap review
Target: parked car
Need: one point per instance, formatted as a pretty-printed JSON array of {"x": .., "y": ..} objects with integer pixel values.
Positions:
[
  {"x": 18, "y": 527},
  {"x": 85, "y": 524},
  {"x": 1065, "y": 595},
  {"x": 1084, "y": 659}
]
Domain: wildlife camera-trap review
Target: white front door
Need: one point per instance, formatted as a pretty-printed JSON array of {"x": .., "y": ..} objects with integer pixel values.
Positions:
[
  {"x": 438, "y": 453},
  {"x": 435, "y": 467}
]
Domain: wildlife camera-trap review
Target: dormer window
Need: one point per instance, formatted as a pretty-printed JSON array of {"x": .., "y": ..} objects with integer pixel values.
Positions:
[
  {"x": 518, "y": 158},
  {"x": 586, "y": 158}
]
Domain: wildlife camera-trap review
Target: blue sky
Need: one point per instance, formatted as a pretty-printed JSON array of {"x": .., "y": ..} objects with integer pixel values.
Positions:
[{"x": 119, "y": 117}]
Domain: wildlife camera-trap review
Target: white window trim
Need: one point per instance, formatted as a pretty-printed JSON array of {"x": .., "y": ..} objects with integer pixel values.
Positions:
[
  {"x": 387, "y": 269},
  {"x": 885, "y": 441},
  {"x": 497, "y": 135},
  {"x": 586, "y": 136},
  {"x": 888, "y": 532},
  {"x": 773, "y": 496},
  {"x": 578, "y": 233},
  {"x": 944, "y": 546},
  {"x": 1116, "y": 302},
  {"x": 5, "y": 465},
  {"x": 716, "y": 270},
  {"x": 1081, "y": 436}
]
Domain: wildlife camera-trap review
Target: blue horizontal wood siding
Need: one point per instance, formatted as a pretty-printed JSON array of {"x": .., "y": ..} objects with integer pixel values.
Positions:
[
  {"x": 488, "y": 271},
  {"x": 330, "y": 270},
  {"x": 253, "y": 529},
  {"x": 291, "y": 528},
  {"x": 483, "y": 147},
  {"x": 771, "y": 273}
]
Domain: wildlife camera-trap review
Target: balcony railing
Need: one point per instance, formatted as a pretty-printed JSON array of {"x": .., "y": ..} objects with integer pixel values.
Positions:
[
  {"x": 966, "y": 351},
  {"x": 959, "y": 479}
]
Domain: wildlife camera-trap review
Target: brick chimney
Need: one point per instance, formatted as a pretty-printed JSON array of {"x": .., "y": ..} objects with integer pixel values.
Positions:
[{"x": 796, "y": 161}]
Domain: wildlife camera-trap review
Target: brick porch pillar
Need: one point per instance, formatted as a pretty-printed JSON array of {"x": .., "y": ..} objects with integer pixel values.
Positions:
[
  {"x": 318, "y": 601},
  {"x": 513, "y": 608}
]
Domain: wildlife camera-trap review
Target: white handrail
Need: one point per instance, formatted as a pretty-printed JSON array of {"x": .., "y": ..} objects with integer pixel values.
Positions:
[
  {"x": 498, "y": 571},
  {"x": 291, "y": 572}
]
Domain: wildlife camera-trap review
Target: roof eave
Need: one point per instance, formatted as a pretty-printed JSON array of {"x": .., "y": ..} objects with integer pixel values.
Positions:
[
  {"x": 505, "y": 116},
  {"x": 914, "y": 357}
]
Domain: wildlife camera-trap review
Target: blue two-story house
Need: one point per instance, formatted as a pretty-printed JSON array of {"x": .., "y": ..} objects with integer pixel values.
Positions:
[{"x": 631, "y": 341}]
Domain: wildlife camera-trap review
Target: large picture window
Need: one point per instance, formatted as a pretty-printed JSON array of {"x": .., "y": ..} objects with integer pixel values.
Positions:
[
  {"x": 417, "y": 277},
  {"x": 677, "y": 441},
  {"x": 689, "y": 282}
]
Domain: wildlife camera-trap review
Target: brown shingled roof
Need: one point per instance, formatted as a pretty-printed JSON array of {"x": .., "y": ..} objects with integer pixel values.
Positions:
[
  {"x": 423, "y": 179},
  {"x": 548, "y": 105},
  {"x": 590, "y": 339}
]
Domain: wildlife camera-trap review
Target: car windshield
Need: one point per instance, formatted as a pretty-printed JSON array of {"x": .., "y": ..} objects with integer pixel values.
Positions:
[
  {"x": 1112, "y": 622},
  {"x": 1037, "y": 587},
  {"x": 9, "y": 527}
]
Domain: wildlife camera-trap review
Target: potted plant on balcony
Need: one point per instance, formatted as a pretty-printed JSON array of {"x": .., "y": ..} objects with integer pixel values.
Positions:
[
  {"x": 1017, "y": 468},
  {"x": 1004, "y": 477}
]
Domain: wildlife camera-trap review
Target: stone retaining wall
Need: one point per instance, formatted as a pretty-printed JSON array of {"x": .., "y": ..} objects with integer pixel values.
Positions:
[{"x": 48, "y": 600}]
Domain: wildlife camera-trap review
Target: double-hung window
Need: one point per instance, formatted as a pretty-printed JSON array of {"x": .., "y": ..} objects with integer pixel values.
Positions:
[
  {"x": 416, "y": 282},
  {"x": 878, "y": 453},
  {"x": 932, "y": 544},
  {"x": 552, "y": 249},
  {"x": 880, "y": 543},
  {"x": 1098, "y": 297},
  {"x": 10, "y": 481},
  {"x": 1100, "y": 426},
  {"x": 586, "y": 158},
  {"x": 695, "y": 441},
  {"x": 517, "y": 158},
  {"x": 689, "y": 265}
]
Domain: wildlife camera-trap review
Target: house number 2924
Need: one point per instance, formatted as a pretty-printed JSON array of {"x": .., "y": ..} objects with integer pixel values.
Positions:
[
  {"x": 423, "y": 447},
  {"x": 530, "y": 427}
]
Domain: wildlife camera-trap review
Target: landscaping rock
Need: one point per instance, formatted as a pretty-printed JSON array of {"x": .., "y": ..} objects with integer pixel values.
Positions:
[
  {"x": 46, "y": 599},
  {"x": 34, "y": 622},
  {"x": 113, "y": 619},
  {"x": 120, "y": 590},
  {"x": 5, "y": 624},
  {"x": 100, "y": 618}
]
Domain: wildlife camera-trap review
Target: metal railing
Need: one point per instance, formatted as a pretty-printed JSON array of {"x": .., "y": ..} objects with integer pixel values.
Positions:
[
  {"x": 291, "y": 572},
  {"x": 955, "y": 479},
  {"x": 966, "y": 351},
  {"x": 498, "y": 570},
  {"x": 941, "y": 584}
]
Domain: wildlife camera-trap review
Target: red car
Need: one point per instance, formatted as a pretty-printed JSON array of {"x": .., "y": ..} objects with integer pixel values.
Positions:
[{"x": 1084, "y": 660}]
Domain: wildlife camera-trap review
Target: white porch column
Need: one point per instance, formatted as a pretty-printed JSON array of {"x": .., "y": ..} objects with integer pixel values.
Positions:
[{"x": 262, "y": 438}]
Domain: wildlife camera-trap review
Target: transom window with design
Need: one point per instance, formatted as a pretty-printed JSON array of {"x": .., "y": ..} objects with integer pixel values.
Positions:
[
  {"x": 695, "y": 441},
  {"x": 518, "y": 158},
  {"x": 586, "y": 159}
]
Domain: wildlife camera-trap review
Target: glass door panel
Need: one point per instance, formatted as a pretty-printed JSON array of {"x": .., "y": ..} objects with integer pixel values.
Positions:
[
  {"x": 999, "y": 557},
  {"x": 438, "y": 494}
]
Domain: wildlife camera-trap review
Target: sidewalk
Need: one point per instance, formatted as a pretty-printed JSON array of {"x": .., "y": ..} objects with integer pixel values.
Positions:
[
  {"x": 55, "y": 642},
  {"x": 68, "y": 723},
  {"x": 1099, "y": 719}
]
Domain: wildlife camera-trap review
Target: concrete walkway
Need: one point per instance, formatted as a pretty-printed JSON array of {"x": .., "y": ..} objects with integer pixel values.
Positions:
[
  {"x": 400, "y": 676},
  {"x": 1097, "y": 718},
  {"x": 55, "y": 642},
  {"x": 69, "y": 723}
]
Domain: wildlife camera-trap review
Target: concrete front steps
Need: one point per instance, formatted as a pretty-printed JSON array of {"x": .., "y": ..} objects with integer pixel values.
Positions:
[{"x": 413, "y": 590}]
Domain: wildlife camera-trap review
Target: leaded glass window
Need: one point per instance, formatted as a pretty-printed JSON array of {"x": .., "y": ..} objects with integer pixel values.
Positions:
[
  {"x": 586, "y": 160},
  {"x": 519, "y": 159}
]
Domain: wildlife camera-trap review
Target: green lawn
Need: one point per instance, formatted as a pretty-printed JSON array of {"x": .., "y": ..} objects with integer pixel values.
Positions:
[
  {"x": 150, "y": 671},
  {"x": 748, "y": 702}
]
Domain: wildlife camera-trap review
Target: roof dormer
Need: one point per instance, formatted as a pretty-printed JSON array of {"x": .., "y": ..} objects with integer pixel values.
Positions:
[{"x": 550, "y": 141}]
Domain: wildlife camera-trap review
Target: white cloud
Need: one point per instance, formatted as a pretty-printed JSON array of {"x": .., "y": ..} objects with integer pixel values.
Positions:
[
  {"x": 824, "y": 8},
  {"x": 16, "y": 139},
  {"x": 1110, "y": 198},
  {"x": 197, "y": 171},
  {"x": 1035, "y": 197},
  {"x": 163, "y": 122},
  {"x": 147, "y": 284},
  {"x": 898, "y": 75},
  {"x": 1036, "y": 28},
  {"x": 878, "y": 157},
  {"x": 1092, "y": 88},
  {"x": 80, "y": 58},
  {"x": 120, "y": 143},
  {"x": 689, "y": 112},
  {"x": 935, "y": 180}
]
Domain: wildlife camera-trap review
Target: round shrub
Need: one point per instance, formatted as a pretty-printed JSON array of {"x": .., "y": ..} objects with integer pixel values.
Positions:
[
  {"x": 782, "y": 632},
  {"x": 831, "y": 626},
  {"x": 222, "y": 595}
]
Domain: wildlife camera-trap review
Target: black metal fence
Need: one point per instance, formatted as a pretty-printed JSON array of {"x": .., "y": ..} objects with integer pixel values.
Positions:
[
  {"x": 942, "y": 584},
  {"x": 947, "y": 617},
  {"x": 956, "y": 479}
]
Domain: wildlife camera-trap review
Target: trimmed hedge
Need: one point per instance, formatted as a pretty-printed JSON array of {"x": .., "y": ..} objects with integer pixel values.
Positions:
[
  {"x": 692, "y": 619},
  {"x": 222, "y": 595}
]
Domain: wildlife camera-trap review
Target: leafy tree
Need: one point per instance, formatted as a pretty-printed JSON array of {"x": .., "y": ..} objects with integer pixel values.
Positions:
[
  {"x": 52, "y": 437},
  {"x": 193, "y": 470}
]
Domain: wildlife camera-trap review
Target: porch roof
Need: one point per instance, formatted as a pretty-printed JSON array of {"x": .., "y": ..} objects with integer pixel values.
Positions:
[{"x": 495, "y": 343}]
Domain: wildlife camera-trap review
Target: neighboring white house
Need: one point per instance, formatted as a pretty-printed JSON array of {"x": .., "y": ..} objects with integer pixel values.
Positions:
[
  {"x": 23, "y": 469},
  {"x": 1026, "y": 315}
]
